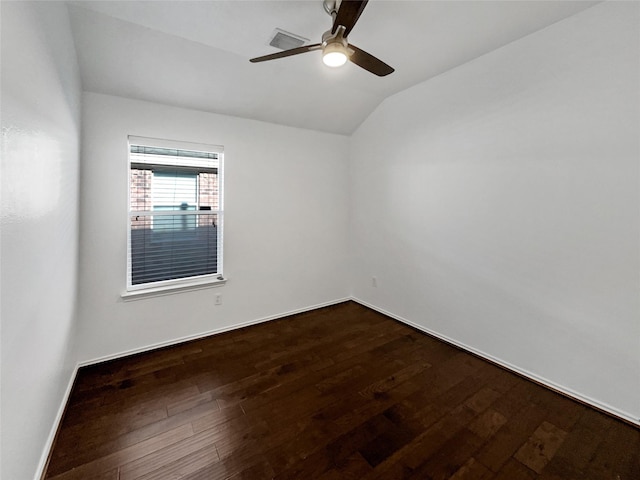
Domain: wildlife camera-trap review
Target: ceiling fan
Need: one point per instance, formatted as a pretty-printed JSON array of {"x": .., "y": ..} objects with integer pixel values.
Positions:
[{"x": 336, "y": 50}]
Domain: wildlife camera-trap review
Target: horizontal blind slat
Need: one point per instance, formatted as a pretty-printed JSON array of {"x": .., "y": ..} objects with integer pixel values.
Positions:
[
  {"x": 153, "y": 213},
  {"x": 174, "y": 213}
]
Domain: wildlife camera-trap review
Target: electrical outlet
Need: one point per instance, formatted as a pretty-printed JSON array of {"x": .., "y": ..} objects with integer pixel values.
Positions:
[
  {"x": 218, "y": 299},
  {"x": 374, "y": 282}
]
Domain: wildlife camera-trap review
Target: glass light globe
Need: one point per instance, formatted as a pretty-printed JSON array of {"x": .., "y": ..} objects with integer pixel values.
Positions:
[{"x": 334, "y": 55}]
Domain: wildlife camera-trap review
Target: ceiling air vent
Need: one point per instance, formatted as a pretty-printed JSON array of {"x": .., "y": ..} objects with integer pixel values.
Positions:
[{"x": 285, "y": 40}]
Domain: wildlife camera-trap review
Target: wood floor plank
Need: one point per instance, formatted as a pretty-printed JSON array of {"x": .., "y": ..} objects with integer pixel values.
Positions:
[
  {"x": 514, "y": 470},
  {"x": 472, "y": 470},
  {"x": 354, "y": 467},
  {"x": 450, "y": 457},
  {"x": 341, "y": 392},
  {"x": 244, "y": 465},
  {"x": 617, "y": 456},
  {"x": 541, "y": 447},
  {"x": 121, "y": 457},
  {"x": 487, "y": 424},
  {"x": 183, "y": 466},
  {"x": 204, "y": 441},
  {"x": 574, "y": 454}
]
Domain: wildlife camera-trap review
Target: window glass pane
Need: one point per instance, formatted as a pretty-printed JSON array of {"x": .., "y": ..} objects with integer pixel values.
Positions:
[
  {"x": 161, "y": 249},
  {"x": 174, "y": 213},
  {"x": 173, "y": 157},
  {"x": 208, "y": 191},
  {"x": 174, "y": 191},
  {"x": 140, "y": 190}
]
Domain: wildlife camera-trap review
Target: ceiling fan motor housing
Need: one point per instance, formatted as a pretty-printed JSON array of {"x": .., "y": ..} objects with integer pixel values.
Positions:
[{"x": 336, "y": 39}]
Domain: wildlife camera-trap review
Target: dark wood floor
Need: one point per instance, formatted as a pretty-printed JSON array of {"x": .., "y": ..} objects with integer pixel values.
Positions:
[{"x": 338, "y": 393}]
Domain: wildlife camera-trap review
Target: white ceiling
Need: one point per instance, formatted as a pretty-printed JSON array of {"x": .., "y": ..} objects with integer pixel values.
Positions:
[{"x": 195, "y": 54}]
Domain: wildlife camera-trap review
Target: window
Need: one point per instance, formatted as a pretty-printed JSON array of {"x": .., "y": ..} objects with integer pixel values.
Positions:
[{"x": 175, "y": 214}]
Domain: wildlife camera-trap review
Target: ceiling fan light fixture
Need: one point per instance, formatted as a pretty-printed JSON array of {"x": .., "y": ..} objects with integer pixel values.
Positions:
[
  {"x": 334, "y": 54},
  {"x": 336, "y": 49}
]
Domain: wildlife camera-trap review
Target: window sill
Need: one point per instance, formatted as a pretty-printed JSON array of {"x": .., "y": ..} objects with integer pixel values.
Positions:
[{"x": 170, "y": 289}]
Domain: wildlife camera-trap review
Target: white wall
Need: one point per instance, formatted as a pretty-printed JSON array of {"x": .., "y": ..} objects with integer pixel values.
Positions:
[
  {"x": 285, "y": 231},
  {"x": 40, "y": 162},
  {"x": 498, "y": 206}
]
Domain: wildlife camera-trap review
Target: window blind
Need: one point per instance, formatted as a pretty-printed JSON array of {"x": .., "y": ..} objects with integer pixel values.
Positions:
[{"x": 175, "y": 215}]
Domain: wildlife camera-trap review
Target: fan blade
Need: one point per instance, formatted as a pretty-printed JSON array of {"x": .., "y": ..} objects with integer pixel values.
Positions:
[
  {"x": 369, "y": 62},
  {"x": 348, "y": 14},
  {"x": 287, "y": 53}
]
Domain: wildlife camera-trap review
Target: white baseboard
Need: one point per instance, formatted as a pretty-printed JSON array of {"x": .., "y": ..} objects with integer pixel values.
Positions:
[
  {"x": 44, "y": 458},
  {"x": 42, "y": 464},
  {"x": 520, "y": 371},
  {"x": 552, "y": 385},
  {"x": 215, "y": 331}
]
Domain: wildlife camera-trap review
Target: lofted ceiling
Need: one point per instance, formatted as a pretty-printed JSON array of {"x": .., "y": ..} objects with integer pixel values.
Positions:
[{"x": 195, "y": 54}]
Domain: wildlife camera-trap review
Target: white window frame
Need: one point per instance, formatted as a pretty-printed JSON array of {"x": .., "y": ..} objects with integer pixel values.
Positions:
[{"x": 166, "y": 287}]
